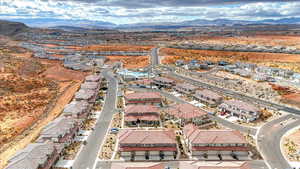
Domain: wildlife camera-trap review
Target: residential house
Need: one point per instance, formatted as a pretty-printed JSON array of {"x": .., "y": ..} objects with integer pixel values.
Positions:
[
  {"x": 86, "y": 95},
  {"x": 143, "y": 98},
  {"x": 141, "y": 145},
  {"x": 230, "y": 68},
  {"x": 242, "y": 72},
  {"x": 191, "y": 66},
  {"x": 90, "y": 86},
  {"x": 163, "y": 82},
  {"x": 93, "y": 78},
  {"x": 77, "y": 109},
  {"x": 179, "y": 62},
  {"x": 247, "y": 66},
  {"x": 142, "y": 115},
  {"x": 208, "y": 97},
  {"x": 216, "y": 144},
  {"x": 185, "y": 88},
  {"x": 244, "y": 111},
  {"x": 36, "y": 156},
  {"x": 187, "y": 113},
  {"x": 61, "y": 130}
]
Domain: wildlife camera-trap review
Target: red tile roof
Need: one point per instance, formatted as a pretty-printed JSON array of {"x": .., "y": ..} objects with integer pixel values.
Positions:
[
  {"x": 209, "y": 94},
  {"x": 241, "y": 105},
  {"x": 185, "y": 111},
  {"x": 221, "y": 148},
  {"x": 141, "y": 109},
  {"x": 163, "y": 79},
  {"x": 147, "y": 137},
  {"x": 187, "y": 86},
  {"x": 145, "y": 117},
  {"x": 148, "y": 149},
  {"x": 143, "y": 95},
  {"x": 216, "y": 137}
]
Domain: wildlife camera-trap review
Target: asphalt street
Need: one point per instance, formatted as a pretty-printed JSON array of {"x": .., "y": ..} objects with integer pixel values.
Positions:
[
  {"x": 89, "y": 154},
  {"x": 269, "y": 137}
]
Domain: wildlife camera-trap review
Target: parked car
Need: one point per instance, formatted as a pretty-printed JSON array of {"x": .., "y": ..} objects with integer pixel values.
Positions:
[{"x": 114, "y": 130}]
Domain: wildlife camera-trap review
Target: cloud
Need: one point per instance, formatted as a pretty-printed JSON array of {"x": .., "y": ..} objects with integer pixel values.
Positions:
[{"x": 134, "y": 11}]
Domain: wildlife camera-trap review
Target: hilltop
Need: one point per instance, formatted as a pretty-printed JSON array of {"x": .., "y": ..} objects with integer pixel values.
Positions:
[{"x": 12, "y": 28}]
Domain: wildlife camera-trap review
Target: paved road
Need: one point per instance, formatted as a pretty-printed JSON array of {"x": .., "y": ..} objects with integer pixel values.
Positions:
[
  {"x": 154, "y": 56},
  {"x": 89, "y": 153},
  {"x": 235, "y": 94},
  {"x": 269, "y": 137},
  {"x": 171, "y": 72},
  {"x": 256, "y": 164}
]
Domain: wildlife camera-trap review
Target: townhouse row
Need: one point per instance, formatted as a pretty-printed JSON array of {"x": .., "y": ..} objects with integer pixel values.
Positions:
[
  {"x": 244, "y": 111},
  {"x": 143, "y": 109},
  {"x": 60, "y": 133},
  {"x": 160, "y": 145}
]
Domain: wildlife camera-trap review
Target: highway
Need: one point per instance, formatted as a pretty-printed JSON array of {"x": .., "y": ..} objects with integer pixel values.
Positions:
[
  {"x": 269, "y": 137},
  {"x": 89, "y": 154}
]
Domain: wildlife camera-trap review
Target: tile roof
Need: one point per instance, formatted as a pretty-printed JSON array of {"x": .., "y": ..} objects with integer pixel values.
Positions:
[
  {"x": 76, "y": 107},
  {"x": 208, "y": 93},
  {"x": 241, "y": 105},
  {"x": 173, "y": 148},
  {"x": 216, "y": 137},
  {"x": 93, "y": 78},
  {"x": 143, "y": 95},
  {"x": 141, "y": 109},
  {"x": 89, "y": 85},
  {"x": 85, "y": 94},
  {"x": 144, "y": 117},
  {"x": 31, "y": 156},
  {"x": 147, "y": 137},
  {"x": 186, "y": 86},
  {"x": 164, "y": 80},
  {"x": 185, "y": 111},
  {"x": 59, "y": 127}
]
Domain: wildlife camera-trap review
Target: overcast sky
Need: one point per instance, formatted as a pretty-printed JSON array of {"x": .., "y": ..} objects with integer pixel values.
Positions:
[{"x": 134, "y": 11}]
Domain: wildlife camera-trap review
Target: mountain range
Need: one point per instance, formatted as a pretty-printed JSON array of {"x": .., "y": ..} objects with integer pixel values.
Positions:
[{"x": 51, "y": 22}]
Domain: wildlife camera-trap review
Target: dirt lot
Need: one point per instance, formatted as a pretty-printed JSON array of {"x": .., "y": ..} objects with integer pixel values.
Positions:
[
  {"x": 116, "y": 47},
  {"x": 266, "y": 40},
  {"x": 130, "y": 62},
  {"x": 34, "y": 89},
  {"x": 291, "y": 145},
  {"x": 292, "y": 99}
]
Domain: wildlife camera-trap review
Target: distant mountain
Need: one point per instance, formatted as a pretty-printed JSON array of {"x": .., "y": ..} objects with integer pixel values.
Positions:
[
  {"x": 12, "y": 28},
  {"x": 87, "y": 24},
  {"x": 51, "y": 22},
  {"x": 282, "y": 21},
  {"x": 205, "y": 22}
]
